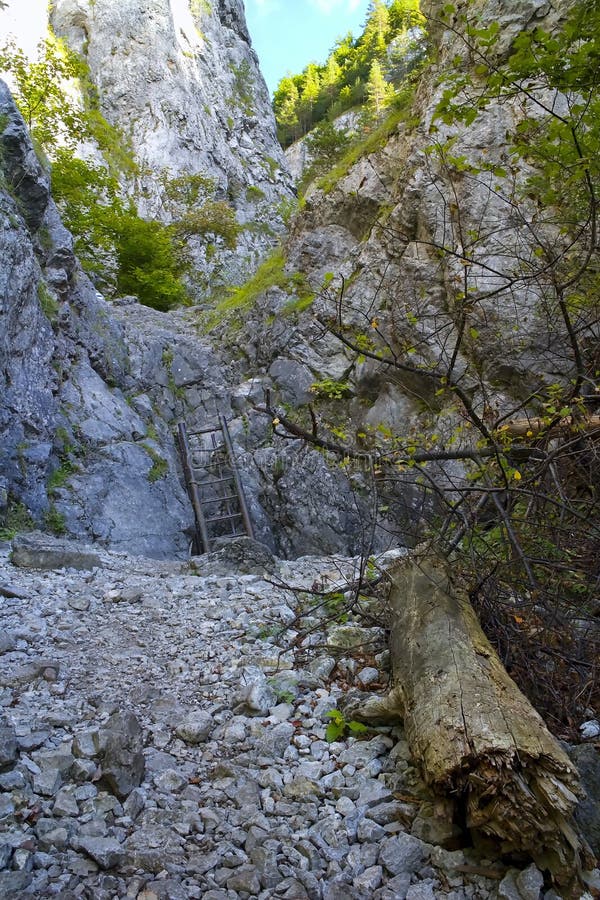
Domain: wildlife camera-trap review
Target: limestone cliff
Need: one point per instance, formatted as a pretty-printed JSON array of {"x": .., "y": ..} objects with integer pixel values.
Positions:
[
  {"x": 63, "y": 367},
  {"x": 92, "y": 391},
  {"x": 392, "y": 226},
  {"x": 181, "y": 82}
]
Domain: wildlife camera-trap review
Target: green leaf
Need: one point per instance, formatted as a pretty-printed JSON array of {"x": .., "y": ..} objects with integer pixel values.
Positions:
[{"x": 357, "y": 727}]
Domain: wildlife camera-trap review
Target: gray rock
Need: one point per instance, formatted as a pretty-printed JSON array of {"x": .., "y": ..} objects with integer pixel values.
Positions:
[
  {"x": 65, "y": 804},
  {"x": 47, "y": 782},
  {"x": 403, "y": 854},
  {"x": 8, "y": 642},
  {"x": 79, "y": 603},
  {"x": 5, "y": 854},
  {"x": 242, "y": 555},
  {"x": 587, "y": 814},
  {"x": 13, "y": 884},
  {"x": 393, "y": 811},
  {"x": 265, "y": 862},
  {"x": 55, "y": 838},
  {"x": 106, "y": 852},
  {"x": 421, "y": 891},
  {"x": 123, "y": 759},
  {"x": 351, "y": 637},
  {"x": 171, "y": 781},
  {"x": 369, "y": 880},
  {"x": 195, "y": 728},
  {"x": 399, "y": 885},
  {"x": 7, "y": 807},
  {"x": 292, "y": 379},
  {"x": 134, "y": 804},
  {"x": 86, "y": 744},
  {"x": 41, "y": 551},
  {"x": 359, "y": 753},
  {"x": 8, "y": 746},
  {"x": 254, "y": 696},
  {"x": 277, "y": 739},
  {"x": 367, "y": 676},
  {"x": 12, "y": 781},
  {"x": 12, "y": 592},
  {"x": 530, "y": 883},
  {"x": 246, "y": 878}
]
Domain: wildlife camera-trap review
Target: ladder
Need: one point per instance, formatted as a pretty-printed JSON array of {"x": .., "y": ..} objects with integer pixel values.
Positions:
[{"x": 214, "y": 484}]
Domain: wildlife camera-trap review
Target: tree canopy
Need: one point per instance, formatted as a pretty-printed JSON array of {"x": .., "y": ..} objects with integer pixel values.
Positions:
[
  {"x": 347, "y": 77},
  {"x": 122, "y": 252}
]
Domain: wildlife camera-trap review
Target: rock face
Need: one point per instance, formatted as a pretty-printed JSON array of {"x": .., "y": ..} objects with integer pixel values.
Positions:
[
  {"x": 92, "y": 392},
  {"x": 181, "y": 82},
  {"x": 381, "y": 225},
  {"x": 63, "y": 370}
]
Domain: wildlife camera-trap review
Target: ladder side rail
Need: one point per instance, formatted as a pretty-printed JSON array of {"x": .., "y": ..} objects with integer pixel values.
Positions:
[
  {"x": 236, "y": 477},
  {"x": 192, "y": 486}
]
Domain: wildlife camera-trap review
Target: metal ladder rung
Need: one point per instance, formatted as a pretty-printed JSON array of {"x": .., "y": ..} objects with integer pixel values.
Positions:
[
  {"x": 214, "y": 481},
  {"x": 237, "y": 515},
  {"x": 200, "y": 479},
  {"x": 217, "y": 465},
  {"x": 204, "y": 431}
]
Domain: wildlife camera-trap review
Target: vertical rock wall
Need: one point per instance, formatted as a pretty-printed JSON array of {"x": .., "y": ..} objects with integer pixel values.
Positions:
[{"x": 181, "y": 82}]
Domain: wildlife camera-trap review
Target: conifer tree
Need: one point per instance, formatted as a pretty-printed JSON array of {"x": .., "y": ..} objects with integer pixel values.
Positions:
[{"x": 379, "y": 92}]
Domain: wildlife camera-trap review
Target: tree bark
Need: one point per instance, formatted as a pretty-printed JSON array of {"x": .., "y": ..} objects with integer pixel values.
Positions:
[
  {"x": 474, "y": 734},
  {"x": 569, "y": 425}
]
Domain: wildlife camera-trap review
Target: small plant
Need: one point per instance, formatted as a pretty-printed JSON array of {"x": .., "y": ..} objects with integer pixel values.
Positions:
[
  {"x": 339, "y": 727},
  {"x": 55, "y": 520},
  {"x": 328, "y": 389},
  {"x": 159, "y": 468},
  {"x": 48, "y": 303},
  {"x": 16, "y": 519},
  {"x": 254, "y": 194},
  {"x": 60, "y": 476}
]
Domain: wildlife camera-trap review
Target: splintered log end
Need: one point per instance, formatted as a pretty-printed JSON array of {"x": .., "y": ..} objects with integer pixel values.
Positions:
[{"x": 473, "y": 733}]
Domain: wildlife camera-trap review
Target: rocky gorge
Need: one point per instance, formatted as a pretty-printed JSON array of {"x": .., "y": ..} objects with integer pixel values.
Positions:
[{"x": 165, "y": 729}]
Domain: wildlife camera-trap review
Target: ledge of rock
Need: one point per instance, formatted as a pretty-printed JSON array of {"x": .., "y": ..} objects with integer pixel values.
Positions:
[{"x": 42, "y": 551}]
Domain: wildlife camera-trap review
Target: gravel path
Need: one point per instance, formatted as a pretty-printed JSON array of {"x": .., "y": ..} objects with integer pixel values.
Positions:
[{"x": 156, "y": 742}]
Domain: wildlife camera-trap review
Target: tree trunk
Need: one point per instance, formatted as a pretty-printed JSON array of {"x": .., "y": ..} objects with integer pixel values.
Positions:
[{"x": 474, "y": 734}]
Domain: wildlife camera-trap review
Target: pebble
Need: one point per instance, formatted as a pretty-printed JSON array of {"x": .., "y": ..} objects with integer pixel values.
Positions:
[{"x": 157, "y": 742}]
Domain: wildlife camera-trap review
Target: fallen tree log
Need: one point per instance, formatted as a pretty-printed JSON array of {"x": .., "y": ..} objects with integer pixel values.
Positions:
[
  {"x": 534, "y": 426},
  {"x": 474, "y": 734}
]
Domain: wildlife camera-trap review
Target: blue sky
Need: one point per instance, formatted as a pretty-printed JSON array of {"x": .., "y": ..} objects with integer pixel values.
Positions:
[{"x": 288, "y": 34}]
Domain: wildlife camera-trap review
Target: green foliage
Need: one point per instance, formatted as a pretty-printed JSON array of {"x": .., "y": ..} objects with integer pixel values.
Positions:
[
  {"x": 243, "y": 96},
  {"x": 271, "y": 273},
  {"x": 55, "y": 520},
  {"x": 147, "y": 262},
  {"x": 339, "y": 727},
  {"x": 122, "y": 252},
  {"x": 15, "y": 520},
  {"x": 40, "y": 94},
  {"x": 355, "y": 70},
  {"x": 326, "y": 144},
  {"x": 328, "y": 389},
  {"x": 215, "y": 218},
  {"x": 254, "y": 194},
  {"x": 48, "y": 302},
  {"x": 159, "y": 468},
  {"x": 61, "y": 475},
  {"x": 371, "y": 141}
]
